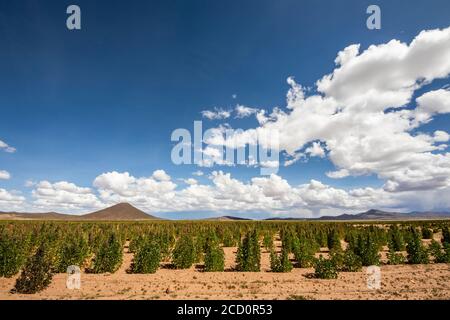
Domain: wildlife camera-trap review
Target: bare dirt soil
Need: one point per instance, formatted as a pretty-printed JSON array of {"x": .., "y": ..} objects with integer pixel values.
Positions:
[{"x": 398, "y": 282}]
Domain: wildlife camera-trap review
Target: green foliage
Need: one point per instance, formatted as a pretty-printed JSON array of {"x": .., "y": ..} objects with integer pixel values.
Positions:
[
  {"x": 214, "y": 255},
  {"x": 417, "y": 254},
  {"x": 346, "y": 261},
  {"x": 249, "y": 253},
  {"x": 108, "y": 257},
  {"x": 446, "y": 235},
  {"x": 147, "y": 257},
  {"x": 304, "y": 251},
  {"x": 394, "y": 257},
  {"x": 36, "y": 275},
  {"x": 13, "y": 253},
  {"x": 367, "y": 249},
  {"x": 281, "y": 262},
  {"x": 325, "y": 269},
  {"x": 228, "y": 239},
  {"x": 73, "y": 251},
  {"x": 427, "y": 233},
  {"x": 268, "y": 241},
  {"x": 333, "y": 240},
  {"x": 184, "y": 254},
  {"x": 395, "y": 239},
  {"x": 440, "y": 254}
]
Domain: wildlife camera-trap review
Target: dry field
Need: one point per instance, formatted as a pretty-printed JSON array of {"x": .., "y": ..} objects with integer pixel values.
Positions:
[{"x": 398, "y": 282}]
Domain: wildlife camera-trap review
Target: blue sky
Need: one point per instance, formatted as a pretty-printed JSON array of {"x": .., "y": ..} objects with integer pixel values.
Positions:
[{"x": 76, "y": 104}]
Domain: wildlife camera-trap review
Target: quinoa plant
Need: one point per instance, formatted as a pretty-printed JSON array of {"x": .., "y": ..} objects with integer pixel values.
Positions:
[
  {"x": 214, "y": 255},
  {"x": 108, "y": 257},
  {"x": 417, "y": 254},
  {"x": 37, "y": 273},
  {"x": 281, "y": 262},
  {"x": 249, "y": 254},
  {"x": 147, "y": 257},
  {"x": 325, "y": 268},
  {"x": 184, "y": 253}
]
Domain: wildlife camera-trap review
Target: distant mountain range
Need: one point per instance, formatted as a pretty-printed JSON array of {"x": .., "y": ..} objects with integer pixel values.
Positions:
[
  {"x": 227, "y": 218},
  {"x": 127, "y": 212},
  {"x": 379, "y": 215},
  {"x": 121, "y": 211}
]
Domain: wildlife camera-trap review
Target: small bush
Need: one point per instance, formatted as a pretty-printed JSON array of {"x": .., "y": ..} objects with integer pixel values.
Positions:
[
  {"x": 36, "y": 275},
  {"x": 394, "y": 257},
  {"x": 304, "y": 251},
  {"x": 446, "y": 235},
  {"x": 427, "y": 233},
  {"x": 249, "y": 254},
  {"x": 108, "y": 257},
  {"x": 417, "y": 254},
  {"x": 280, "y": 263},
  {"x": 184, "y": 254},
  {"x": 147, "y": 257},
  {"x": 268, "y": 241},
  {"x": 13, "y": 254},
  {"x": 325, "y": 269},
  {"x": 214, "y": 255},
  {"x": 395, "y": 239},
  {"x": 73, "y": 251},
  {"x": 350, "y": 262},
  {"x": 333, "y": 240},
  {"x": 367, "y": 249},
  {"x": 440, "y": 254}
]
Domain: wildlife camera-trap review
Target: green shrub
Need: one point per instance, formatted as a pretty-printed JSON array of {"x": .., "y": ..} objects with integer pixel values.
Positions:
[
  {"x": 249, "y": 254},
  {"x": 281, "y": 262},
  {"x": 394, "y": 257},
  {"x": 395, "y": 239},
  {"x": 214, "y": 255},
  {"x": 446, "y": 235},
  {"x": 13, "y": 253},
  {"x": 427, "y": 233},
  {"x": 333, "y": 240},
  {"x": 73, "y": 251},
  {"x": 147, "y": 257},
  {"x": 440, "y": 254},
  {"x": 228, "y": 239},
  {"x": 417, "y": 254},
  {"x": 304, "y": 251},
  {"x": 268, "y": 241},
  {"x": 184, "y": 254},
  {"x": 108, "y": 257},
  {"x": 325, "y": 269},
  {"x": 346, "y": 261},
  {"x": 36, "y": 275},
  {"x": 367, "y": 249}
]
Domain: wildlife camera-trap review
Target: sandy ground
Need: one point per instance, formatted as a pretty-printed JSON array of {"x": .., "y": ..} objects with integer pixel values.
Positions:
[{"x": 398, "y": 282}]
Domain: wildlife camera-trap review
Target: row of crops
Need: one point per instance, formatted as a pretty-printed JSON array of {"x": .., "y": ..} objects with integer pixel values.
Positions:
[{"x": 37, "y": 250}]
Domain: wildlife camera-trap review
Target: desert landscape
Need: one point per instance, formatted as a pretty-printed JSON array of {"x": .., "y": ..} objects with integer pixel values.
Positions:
[{"x": 287, "y": 266}]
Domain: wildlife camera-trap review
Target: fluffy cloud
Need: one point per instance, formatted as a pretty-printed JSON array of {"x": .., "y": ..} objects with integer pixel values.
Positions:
[
  {"x": 216, "y": 114},
  {"x": 5, "y": 147},
  {"x": 10, "y": 200},
  {"x": 271, "y": 195},
  {"x": 244, "y": 112},
  {"x": 364, "y": 115},
  {"x": 63, "y": 195},
  {"x": 4, "y": 175}
]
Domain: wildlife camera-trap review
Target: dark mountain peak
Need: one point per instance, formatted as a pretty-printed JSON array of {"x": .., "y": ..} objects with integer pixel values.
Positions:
[{"x": 120, "y": 211}]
